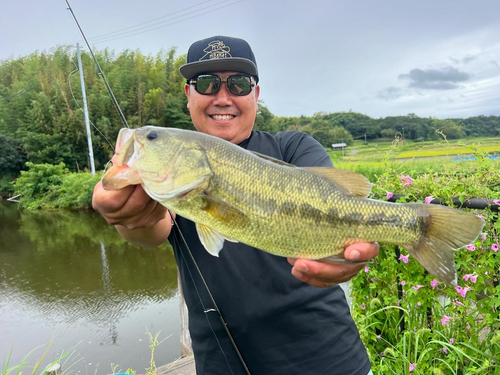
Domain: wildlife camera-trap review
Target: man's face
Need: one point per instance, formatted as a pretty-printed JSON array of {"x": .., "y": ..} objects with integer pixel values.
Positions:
[{"x": 224, "y": 115}]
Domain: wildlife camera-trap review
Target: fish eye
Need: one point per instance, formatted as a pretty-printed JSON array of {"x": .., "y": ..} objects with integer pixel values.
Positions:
[{"x": 152, "y": 135}]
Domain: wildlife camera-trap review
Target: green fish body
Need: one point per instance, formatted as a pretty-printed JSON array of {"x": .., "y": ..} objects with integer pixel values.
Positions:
[{"x": 314, "y": 213}]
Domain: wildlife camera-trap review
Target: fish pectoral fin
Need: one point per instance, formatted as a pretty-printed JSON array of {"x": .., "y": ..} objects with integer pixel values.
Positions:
[
  {"x": 339, "y": 258},
  {"x": 270, "y": 158},
  {"x": 351, "y": 183},
  {"x": 228, "y": 215},
  {"x": 210, "y": 239}
]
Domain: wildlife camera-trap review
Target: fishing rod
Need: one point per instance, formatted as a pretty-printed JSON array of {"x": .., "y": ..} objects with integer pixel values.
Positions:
[
  {"x": 212, "y": 299},
  {"x": 115, "y": 102},
  {"x": 215, "y": 307}
]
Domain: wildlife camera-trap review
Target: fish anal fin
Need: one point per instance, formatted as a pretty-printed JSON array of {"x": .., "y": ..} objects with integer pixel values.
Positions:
[
  {"x": 225, "y": 213},
  {"x": 448, "y": 230},
  {"x": 354, "y": 184},
  {"x": 339, "y": 258}
]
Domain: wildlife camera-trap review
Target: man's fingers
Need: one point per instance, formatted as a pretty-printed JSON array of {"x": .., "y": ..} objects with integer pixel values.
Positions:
[{"x": 361, "y": 251}]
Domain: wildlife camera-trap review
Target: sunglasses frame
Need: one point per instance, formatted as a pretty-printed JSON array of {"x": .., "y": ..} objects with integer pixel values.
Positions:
[{"x": 194, "y": 81}]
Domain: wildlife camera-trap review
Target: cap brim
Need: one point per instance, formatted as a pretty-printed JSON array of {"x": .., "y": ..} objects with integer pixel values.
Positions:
[{"x": 234, "y": 64}]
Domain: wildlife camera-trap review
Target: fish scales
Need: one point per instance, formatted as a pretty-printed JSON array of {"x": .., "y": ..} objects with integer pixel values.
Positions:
[{"x": 234, "y": 194}]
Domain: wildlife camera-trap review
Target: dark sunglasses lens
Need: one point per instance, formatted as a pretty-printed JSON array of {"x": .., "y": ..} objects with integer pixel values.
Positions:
[
  {"x": 239, "y": 84},
  {"x": 207, "y": 84}
]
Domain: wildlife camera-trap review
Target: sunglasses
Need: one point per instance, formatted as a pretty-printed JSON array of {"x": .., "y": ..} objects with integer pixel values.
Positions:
[{"x": 237, "y": 84}]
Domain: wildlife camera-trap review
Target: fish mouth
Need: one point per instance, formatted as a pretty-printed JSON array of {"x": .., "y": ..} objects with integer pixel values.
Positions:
[{"x": 128, "y": 151}]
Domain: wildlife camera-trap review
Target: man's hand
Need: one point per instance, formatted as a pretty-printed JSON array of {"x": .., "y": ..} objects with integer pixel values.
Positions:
[
  {"x": 323, "y": 274},
  {"x": 137, "y": 217}
]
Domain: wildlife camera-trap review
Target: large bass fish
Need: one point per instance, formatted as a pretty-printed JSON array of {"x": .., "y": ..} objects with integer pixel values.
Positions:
[{"x": 238, "y": 195}]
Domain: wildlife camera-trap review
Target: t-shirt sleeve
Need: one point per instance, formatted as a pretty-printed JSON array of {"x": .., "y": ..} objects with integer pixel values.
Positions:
[{"x": 302, "y": 150}]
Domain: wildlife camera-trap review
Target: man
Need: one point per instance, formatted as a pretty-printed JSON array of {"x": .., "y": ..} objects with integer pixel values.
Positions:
[{"x": 282, "y": 319}]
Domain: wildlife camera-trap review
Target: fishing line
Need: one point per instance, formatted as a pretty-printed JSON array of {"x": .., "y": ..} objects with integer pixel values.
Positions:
[
  {"x": 115, "y": 102},
  {"x": 215, "y": 307}
]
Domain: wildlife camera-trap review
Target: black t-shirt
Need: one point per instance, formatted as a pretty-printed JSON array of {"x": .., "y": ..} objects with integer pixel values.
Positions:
[{"x": 280, "y": 324}]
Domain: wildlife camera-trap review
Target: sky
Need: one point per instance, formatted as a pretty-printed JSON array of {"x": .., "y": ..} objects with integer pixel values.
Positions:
[{"x": 434, "y": 58}]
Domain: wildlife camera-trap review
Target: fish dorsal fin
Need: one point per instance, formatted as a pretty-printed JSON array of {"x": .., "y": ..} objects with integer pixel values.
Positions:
[
  {"x": 210, "y": 239},
  {"x": 353, "y": 184},
  {"x": 223, "y": 212},
  {"x": 274, "y": 160}
]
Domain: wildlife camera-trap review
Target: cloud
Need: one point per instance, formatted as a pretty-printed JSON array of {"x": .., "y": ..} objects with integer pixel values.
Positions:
[
  {"x": 435, "y": 79},
  {"x": 390, "y": 93},
  {"x": 464, "y": 60}
]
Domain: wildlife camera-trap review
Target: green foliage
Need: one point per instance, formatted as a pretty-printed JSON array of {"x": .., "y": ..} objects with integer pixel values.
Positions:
[
  {"x": 53, "y": 186},
  {"x": 12, "y": 157},
  {"x": 447, "y": 330}
]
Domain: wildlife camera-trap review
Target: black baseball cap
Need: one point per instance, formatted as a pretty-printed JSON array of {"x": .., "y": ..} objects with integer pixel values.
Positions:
[{"x": 219, "y": 53}]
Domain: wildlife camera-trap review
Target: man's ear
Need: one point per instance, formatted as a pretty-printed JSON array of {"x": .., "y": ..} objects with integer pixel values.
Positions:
[
  {"x": 186, "y": 91},
  {"x": 257, "y": 93}
]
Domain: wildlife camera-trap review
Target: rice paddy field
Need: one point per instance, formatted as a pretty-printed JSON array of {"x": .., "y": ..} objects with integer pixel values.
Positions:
[{"x": 373, "y": 158}]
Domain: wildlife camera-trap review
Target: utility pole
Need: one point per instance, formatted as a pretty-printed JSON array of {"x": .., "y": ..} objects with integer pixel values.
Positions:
[{"x": 85, "y": 111}]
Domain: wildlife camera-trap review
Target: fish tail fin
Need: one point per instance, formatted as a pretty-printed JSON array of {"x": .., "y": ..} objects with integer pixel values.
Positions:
[{"x": 449, "y": 229}]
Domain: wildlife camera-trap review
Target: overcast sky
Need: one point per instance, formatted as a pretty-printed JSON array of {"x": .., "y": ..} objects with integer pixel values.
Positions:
[{"x": 381, "y": 58}]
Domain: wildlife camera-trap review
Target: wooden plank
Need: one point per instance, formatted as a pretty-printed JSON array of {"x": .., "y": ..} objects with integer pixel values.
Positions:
[
  {"x": 181, "y": 366},
  {"x": 185, "y": 337}
]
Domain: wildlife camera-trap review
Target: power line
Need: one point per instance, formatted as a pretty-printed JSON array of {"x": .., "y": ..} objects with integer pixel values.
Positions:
[
  {"x": 132, "y": 33},
  {"x": 144, "y": 23}
]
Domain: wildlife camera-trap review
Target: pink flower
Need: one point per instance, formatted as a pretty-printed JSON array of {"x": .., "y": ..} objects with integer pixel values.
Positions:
[
  {"x": 419, "y": 304},
  {"x": 452, "y": 341},
  {"x": 363, "y": 306},
  {"x": 436, "y": 179},
  {"x": 403, "y": 283},
  {"x": 462, "y": 291},
  {"x": 434, "y": 283},
  {"x": 444, "y": 350},
  {"x": 417, "y": 287},
  {"x": 389, "y": 195},
  {"x": 404, "y": 258},
  {"x": 496, "y": 201},
  {"x": 367, "y": 269},
  {"x": 458, "y": 303},
  {"x": 481, "y": 216},
  {"x": 473, "y": 279},
  {"x": 445, "y": 319},
  {"x": 494, "y": 247},
  {"x": 407, "y": 180},
  {"x": 467, "y": 277},
  {"x": 412, "y": 366},
  {"x": 483, "y": 236},
  {"x": 471, "y": 247},
  {"x": 428, "y": 199}
]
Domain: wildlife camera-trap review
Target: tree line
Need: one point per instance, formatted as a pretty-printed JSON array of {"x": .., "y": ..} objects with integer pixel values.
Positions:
[{"x": 41, "y": 117}]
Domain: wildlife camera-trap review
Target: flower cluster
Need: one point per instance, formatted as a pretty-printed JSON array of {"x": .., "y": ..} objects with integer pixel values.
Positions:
[{"x": 406, "y": 180}]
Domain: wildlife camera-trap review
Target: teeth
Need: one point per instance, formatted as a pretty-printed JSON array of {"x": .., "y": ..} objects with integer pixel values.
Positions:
[{"x": 222, "y": 117}]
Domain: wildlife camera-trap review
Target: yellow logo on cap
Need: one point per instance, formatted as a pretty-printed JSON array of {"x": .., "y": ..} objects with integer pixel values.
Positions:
[{"x": 216, "y": 50}]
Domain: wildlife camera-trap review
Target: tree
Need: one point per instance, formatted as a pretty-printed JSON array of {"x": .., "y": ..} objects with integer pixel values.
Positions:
[{"x": 449, "y": 128}]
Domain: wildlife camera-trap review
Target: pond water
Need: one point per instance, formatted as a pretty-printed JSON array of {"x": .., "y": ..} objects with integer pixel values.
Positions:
[{"x": 67, "y": 279}]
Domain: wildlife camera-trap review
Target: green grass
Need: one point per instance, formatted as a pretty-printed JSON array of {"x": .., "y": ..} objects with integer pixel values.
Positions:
[{"x": 382, "y": 150}]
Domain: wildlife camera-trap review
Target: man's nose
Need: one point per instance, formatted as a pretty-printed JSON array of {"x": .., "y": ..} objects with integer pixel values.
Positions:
[{"x": 223, "y": 96}]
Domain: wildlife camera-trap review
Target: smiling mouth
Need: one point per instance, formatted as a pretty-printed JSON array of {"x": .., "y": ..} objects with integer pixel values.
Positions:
[{"x": 222, "y": 117}]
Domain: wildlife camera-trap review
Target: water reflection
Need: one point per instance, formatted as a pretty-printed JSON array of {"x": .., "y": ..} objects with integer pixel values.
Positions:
[{"x": 69, "y": 276}]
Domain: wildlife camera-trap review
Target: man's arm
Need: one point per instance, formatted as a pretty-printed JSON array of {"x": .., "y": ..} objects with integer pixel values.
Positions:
[{"x": 137, "y": 218}]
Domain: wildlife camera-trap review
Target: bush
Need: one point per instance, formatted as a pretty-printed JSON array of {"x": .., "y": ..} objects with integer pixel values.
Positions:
[
  {"x": 410, "y": 322},
  {"x": 53, "y": 186}
]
